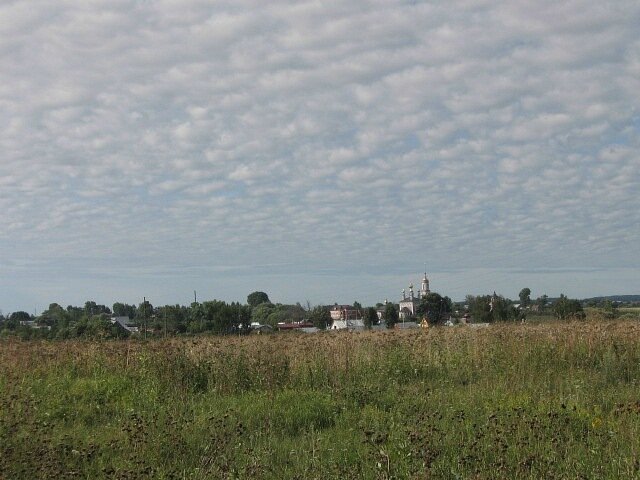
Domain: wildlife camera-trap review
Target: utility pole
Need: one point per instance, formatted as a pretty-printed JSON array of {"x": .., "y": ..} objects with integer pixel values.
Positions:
[
  {"x": 144, "y": 316},
  {"x": 195, "y": 297}
]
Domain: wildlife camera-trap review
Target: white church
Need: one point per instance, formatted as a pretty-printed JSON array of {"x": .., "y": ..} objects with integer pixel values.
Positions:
[{"x": 408, "y": 305}]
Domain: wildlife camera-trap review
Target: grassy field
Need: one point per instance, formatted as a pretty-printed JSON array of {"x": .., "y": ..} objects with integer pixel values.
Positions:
[
  {"x": 629, "y": 311},
  {"x": 545, "y": 400}
]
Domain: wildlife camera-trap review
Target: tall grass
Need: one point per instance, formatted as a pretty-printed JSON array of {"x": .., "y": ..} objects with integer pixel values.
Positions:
[{"x": 510, "y": 401}]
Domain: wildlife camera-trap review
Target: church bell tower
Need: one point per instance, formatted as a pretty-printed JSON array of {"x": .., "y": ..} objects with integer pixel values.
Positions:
[{"x": 424, "y": 288}]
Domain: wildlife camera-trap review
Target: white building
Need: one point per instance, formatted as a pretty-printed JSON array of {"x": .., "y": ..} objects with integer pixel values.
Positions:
[
  {"x": 408, "y": 306},
  {"x": 353, "y": 324},
  {"x": 346, "y": 317}
]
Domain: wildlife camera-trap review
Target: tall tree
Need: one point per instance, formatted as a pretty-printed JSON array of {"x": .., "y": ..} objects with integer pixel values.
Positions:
[
  {"x": 565, "y": 308},
  {"x": 260, "y": 313},
  {"x": 610, "y": 308},
  {"x": 480, "y": 308},
  {"x": 435, "y": 307},
  {"x": 541, "y": 302},
  {"x": 196, "y": 318},
  {"x": 145, "y": 312},
  {"x": 256, "y": 298},
  {"x": 124, "y": 310},
  {"x": 370, "y": 317},
  {"x": 390, "y": 315},
  {"x": 15, "y": 318},
  {"x": 320, "y": 317},
  {"x": 55, "y": 315},
  {"x": 171, "y": 318},
  {"x": 75, "y": 313},
  {"x": 525, "y": 297},
  {"x": 501, "y": 309},
  {"x": 92, "y": 308},
  {"x": 242, "y": 317},
  {"x": 219, "y": 317}
]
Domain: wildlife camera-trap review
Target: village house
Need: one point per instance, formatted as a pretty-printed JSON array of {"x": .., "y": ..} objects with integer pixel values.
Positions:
[
  {"x": 302, "y": 326},
  {"x": 258, "y": 328},
  {"x": 126, "y": 323},
  {"x": 346, "y": 317}
]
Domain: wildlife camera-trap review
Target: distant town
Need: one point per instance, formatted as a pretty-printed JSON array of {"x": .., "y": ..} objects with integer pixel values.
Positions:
[{"x": 414, "y": 308}]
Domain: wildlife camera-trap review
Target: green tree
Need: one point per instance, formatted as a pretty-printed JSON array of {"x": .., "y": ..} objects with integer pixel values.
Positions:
[
  {"x": 144, "y": 316},
  {"x": 541, "y": 302},
  {"x": 92, "y": 308},
  {"x": 241, "y": 318},
  {"x": 124, "y": 310},
  {"x": 256, "y": 298},
  {"x": 435, "y": 307},
  {"x": 502, "y": 309},
  {"x": 295, "y": 313},
  {"x": 370, "y": 317},
  {"x": 54, "y": 317},
  {"x": 525, "y": 297},
  {"x": 171, "y": 318},
  {"x": 480, "y": 308},
  {"x": 196, "y": 317},
  {"x": 448, "y": 303},
  {"x": 260, "y": 313},
  {"x": 270, "y": 314},
  {"x": 20, "y": 316},
  {"x": 609, "y": 308},
  {"x": 390, "y": 315},
  {"x": 13, "y": 322},
  {"x": 320, "y": 317},
  {"x": 565, "y": 308},
  {"x": 99, "y": 327},
  {"x": 219, "y": 317},
  {"x": 278, "y": 315},
  {"x": 74, "y": 313}
]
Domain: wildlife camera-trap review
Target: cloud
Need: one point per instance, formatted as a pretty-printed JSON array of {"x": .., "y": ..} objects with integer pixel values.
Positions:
[{"x": 467, "y": 134}]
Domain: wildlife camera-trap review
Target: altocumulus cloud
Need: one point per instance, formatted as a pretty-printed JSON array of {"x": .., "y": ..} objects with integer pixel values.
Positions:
[{"x": 159, "y": 146}]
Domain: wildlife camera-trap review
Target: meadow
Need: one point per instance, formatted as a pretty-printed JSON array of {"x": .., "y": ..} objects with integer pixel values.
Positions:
[{"x": 536, "y": 400}]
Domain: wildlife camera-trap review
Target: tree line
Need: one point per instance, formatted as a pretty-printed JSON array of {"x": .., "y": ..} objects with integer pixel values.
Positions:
[{"x": 218, "y": 317}]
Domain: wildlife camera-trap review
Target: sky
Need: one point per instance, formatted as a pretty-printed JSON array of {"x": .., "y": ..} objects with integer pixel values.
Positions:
[{"x": 321, "y": 151}]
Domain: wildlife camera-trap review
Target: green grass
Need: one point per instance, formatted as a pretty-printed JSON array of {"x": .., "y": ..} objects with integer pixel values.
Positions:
[
  {"x": 629, "y": 313},
  {"x": 548, "y": 400}
]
